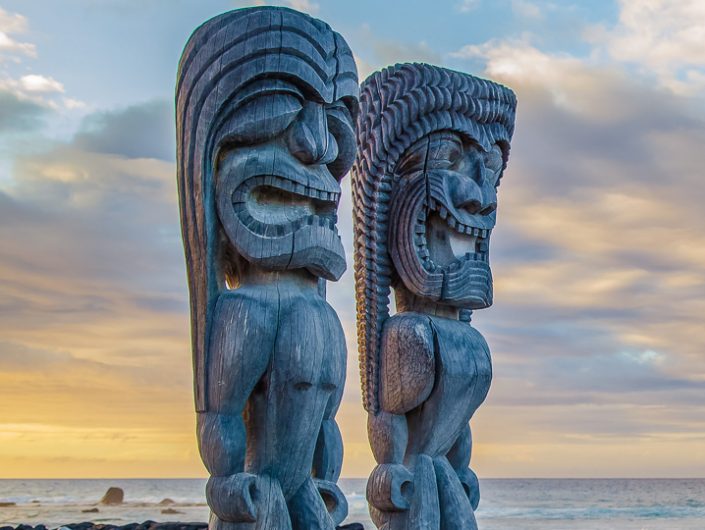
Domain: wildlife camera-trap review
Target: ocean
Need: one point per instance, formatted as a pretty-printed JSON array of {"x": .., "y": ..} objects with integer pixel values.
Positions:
[{"x": 507, "y": 504}]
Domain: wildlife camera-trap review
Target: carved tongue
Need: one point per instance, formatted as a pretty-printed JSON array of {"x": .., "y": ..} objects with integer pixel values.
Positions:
[{"x": 461, "y": 244}]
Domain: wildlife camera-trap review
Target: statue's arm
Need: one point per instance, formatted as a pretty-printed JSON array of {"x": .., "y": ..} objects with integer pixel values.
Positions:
[
  {"x": 407, "y": 373},
  {"x": 407, "y": 362},
  {"x": 236, "y": 362}
]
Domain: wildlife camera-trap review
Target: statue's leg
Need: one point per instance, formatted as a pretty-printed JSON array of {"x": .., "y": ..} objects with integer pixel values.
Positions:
[
  {"x": 328, "y": 460},
  {"x": 422, "y": 513},
  {"x": 319, "y": 503},
  {"x": 455, "y": 509},
  {"x": 269, "y": 505},
  {"x": 308, "y": 508},
  {"x": 459, "y": 458}
]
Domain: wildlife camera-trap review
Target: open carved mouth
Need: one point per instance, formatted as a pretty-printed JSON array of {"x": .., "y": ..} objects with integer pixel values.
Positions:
[
  {"x": 444, "y": 243},
  {"x": 273, "y": 206}
]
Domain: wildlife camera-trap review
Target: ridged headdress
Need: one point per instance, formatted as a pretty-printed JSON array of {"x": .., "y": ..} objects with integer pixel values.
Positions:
[
  {"x": 398, "y": 106},
  {"x": 221, "y": 57}
]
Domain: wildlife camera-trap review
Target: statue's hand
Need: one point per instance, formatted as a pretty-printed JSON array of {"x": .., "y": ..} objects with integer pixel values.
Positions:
[
  {"x": 390, "y": 487},
  {"x": 232, "y": 498},
  {"x": 471, "y": 485}
]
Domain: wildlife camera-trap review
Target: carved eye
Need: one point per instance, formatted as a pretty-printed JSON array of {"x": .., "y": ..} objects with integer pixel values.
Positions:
[
  {"x": 342, "y": 128},
  {"x": 494, "y": 159},
  {"x": 414, "y": 159},
  {"x": 445, "y": 150},
  {"x": 264, "y": 117}
]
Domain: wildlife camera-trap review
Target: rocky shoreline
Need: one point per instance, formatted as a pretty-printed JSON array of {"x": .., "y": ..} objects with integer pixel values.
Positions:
[{"x": 146, "y": 525}]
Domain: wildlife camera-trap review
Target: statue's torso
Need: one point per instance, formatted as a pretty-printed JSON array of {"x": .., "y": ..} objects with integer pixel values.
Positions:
[
  {"x": 461, "y": 376},
  {"x": 292, "y": 342}
]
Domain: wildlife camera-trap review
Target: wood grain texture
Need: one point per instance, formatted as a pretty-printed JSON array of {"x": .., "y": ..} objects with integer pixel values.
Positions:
[
  {"x": 266, "y": 105},
  {"x": 432, "y": 147}
]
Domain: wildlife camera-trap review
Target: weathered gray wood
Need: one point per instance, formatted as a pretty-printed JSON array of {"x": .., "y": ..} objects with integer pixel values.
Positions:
[
  {"x": 432, "y": 146},
  {"x": 266, "y": 104}
]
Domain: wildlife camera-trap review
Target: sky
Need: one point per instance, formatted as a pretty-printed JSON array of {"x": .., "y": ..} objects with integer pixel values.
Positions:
[{"x": 597, "y": 331}]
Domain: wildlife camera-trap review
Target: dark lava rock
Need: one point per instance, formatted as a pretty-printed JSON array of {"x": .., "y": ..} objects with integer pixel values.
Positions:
[
  {"x": 7, "y": 504},
  {"x": 170, "y": 511},
  {"x": 88, "y": 510},
  {"x": 146, "y": 525},
  {"x": 351, "y": 526},
  {"x": 113, "y": 496},
  {"x": 166, "y": 502}
]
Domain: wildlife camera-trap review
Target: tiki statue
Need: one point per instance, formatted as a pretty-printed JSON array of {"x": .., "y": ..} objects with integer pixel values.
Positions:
[
  {"x": 433, "y": 144},
  {"x": 266, "y": 104}
]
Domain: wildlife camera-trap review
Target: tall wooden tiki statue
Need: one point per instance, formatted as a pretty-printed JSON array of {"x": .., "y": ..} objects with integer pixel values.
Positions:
[
  {"x": 433, "y": 144},
  {"x": 266, "y": 105}
]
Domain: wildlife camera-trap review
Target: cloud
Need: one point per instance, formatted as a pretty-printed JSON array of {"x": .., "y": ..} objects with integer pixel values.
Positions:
[
  {"x": 306, "y": 6},
  {"x": 466, "y": 6},
  {"x": 390, "y": 52},
  {"x": 92, "y": 288},
  {"x": 40, "y": 83},
  {"x": 42, "y": 90},
  {"x": 13, "y": 23},
  {"x": 526, "y": 9},
  {"x": 141, "y": 131},
  {"x": 663, "y": 37},
  {"x": 18, "y": 115},
  {"x": 599, "y": 265}
]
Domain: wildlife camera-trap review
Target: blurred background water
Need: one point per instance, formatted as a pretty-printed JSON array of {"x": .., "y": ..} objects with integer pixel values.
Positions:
[{"x": 507, "y": 504}]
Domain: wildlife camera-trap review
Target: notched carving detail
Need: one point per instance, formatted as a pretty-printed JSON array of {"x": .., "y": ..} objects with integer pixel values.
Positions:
[{"x": 433, "y": 144}]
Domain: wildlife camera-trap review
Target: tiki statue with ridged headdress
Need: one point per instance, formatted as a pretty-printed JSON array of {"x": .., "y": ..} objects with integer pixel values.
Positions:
[
  {"x": 433, "y": 144},
  {"x": 266, "y": 104}
]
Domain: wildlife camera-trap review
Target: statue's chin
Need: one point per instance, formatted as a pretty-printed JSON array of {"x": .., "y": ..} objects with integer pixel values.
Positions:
[
  {"x": 469, "y": 286},
  {"x": 315, "y": 248}
]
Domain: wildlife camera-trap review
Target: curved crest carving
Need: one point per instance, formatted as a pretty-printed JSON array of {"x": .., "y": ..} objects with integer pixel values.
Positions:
[{"x": 398, "y": 106}]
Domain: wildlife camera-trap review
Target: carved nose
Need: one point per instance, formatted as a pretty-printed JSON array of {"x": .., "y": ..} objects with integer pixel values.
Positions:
[
  {"x": 469, "y": 196},
  {"x": 466, "y": 195},
  {"x": 308, "y": 138}
]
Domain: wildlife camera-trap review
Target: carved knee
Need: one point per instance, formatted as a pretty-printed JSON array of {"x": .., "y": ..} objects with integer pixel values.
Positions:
[
  {"x": 390, "y": 487},
  {"x": 233, "y": 498}
]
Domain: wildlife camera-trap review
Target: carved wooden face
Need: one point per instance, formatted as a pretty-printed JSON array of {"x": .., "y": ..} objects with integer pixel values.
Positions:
[
  {"x": 278, "y": 181},
  {"x": 443, "y": 209}
]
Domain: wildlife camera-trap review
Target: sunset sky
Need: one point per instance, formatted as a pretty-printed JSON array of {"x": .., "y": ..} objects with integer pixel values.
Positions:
[{"x": 598, "y": 327}]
